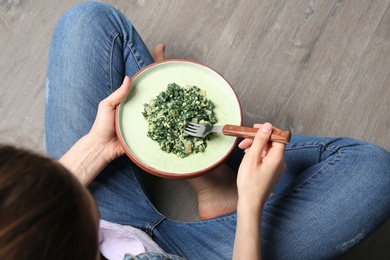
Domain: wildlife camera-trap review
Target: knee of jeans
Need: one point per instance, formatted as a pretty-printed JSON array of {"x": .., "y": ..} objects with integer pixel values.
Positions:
[
  {"x": 376, "y": 158},
  {"x": 367, "y": 155},
  {"x": 379, "y": 155},
  {"x": 363, "y": 146},
  {"x": 371, "y": 149},
  {"x": 88, "y": 14}
]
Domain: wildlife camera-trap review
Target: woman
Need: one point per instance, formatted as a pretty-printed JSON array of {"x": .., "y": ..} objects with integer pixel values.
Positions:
[{"x": 331, "y": 186}]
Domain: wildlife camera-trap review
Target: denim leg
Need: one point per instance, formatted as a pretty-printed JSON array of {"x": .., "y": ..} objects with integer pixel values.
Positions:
[
  {"x": 93, "y": 47},
  {"x": 332, "y": 196}
]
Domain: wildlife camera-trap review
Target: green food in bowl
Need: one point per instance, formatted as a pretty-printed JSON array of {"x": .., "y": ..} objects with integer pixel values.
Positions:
[
  {"x": 168, "y": 114},
  {"x": 132, "y": 127}
]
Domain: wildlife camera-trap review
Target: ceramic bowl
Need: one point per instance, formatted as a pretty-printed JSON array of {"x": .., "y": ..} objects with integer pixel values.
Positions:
[{"x": 131, "y": 126}]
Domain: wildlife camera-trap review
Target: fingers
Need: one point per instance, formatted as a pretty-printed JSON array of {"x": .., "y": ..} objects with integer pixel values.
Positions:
[
  {"x": 116, "y": 97},
  {"x": 259, "y": 125},
  {"x": 159, "y": 52},
  {"x": 261, "y": 140},
  {"x": 245, "y": 144},
  {"x": 276, "y": 153}
]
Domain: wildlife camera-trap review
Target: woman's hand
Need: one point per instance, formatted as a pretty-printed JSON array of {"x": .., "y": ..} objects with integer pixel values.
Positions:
[
  {"x": 261, "y": 167},
  {"x": 89, "y": 155},
  {"x": 103, "y": 129},
  {"x": 260, "y": 170}
]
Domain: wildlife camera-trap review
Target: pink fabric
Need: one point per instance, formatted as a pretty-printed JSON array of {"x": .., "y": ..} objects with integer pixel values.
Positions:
[{"x": 117, "y": 240}]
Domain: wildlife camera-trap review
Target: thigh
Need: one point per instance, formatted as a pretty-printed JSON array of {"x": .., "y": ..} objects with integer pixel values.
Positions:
[
  {"x": 333, "y": 195},
  {"x": 93, "y": 47}
]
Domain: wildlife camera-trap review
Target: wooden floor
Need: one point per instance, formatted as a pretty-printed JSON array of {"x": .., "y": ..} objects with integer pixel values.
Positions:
[{"x": 314, "y": 67}]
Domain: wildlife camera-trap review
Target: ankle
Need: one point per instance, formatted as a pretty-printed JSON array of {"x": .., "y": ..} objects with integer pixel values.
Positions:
[{"x": 217, "y": 192}]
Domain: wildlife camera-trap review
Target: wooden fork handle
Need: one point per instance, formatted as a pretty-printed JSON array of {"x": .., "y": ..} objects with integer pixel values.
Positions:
[{"x": 277, "y": 135}]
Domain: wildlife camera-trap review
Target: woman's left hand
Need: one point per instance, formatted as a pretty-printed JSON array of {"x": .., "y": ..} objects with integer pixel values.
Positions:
[
  {"x": 89, "y": 155},
  {"x": 103, "y": 129}
]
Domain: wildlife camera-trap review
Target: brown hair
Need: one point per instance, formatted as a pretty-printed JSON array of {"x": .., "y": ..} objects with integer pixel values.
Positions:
[{"x": 45, "y": 213}]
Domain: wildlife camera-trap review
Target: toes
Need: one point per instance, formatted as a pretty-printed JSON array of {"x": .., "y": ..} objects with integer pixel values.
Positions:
[{"x": 159, "y": 52}]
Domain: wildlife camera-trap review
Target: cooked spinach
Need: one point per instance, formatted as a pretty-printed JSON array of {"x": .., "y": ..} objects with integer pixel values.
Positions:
[{"x": 168, "y": 114}]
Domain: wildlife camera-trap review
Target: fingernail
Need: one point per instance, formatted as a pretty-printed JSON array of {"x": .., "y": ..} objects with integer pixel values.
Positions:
[{"x": 266, "y": 128}]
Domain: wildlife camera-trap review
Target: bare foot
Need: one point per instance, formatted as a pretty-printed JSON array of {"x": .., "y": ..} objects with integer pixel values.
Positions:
[
  {"x": 159, "y": 52},
  {"x": 217, "y": 192}
]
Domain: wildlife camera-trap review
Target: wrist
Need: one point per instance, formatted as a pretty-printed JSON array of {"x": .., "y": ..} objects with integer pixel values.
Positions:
[
  {"x": 86, "y": 159},
  {"x": 252, "y": 200},
  {"x": 96, "y": 150},
  {"x": 245, "y": 207}
]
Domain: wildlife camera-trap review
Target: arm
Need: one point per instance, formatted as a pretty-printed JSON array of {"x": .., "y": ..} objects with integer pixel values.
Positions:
[
  {"x": 88, "y": 156},
  {"x": 260, "y": 170}
]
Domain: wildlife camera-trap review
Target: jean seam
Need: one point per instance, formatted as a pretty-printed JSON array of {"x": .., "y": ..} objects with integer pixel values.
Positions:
[
  {"x": 134, "y": 53},
  {"x": 110, "y": 63},
  {"x": 327, "y": 147}
]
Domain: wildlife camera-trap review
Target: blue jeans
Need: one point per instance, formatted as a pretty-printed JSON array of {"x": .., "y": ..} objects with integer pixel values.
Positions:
[{"x": 333, "y": 194}]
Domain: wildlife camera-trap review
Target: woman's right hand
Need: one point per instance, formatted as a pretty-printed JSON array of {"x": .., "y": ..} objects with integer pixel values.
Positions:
[
  {"x": 261, "y": 167},
  {"x": 260, "y": 170}
]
